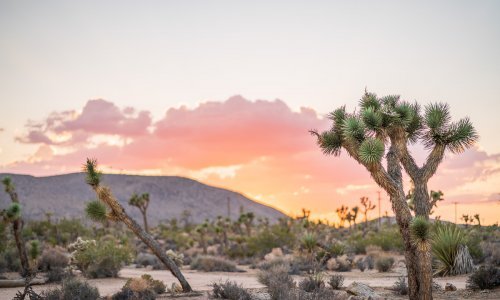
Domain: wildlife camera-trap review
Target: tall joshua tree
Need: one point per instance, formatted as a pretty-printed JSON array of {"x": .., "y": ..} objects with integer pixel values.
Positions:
[
  {"x": 387, "y": 123},
  {"x": 113, "y": 211},
  {"x": 13, "y": 215},
  {"x": 141, "y": 202},
  {"x": 367, "y": 205}
]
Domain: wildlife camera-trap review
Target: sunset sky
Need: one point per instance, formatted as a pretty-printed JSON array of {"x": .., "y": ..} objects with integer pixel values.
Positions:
[{"x": 225, "y": 91}]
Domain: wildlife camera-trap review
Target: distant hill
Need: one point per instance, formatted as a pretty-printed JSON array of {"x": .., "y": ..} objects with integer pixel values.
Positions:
[{"x": 66, "y": 195}]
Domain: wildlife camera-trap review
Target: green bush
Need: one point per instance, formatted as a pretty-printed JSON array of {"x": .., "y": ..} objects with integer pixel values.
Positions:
[
  {"x": 273, "y": 237},
  {"x": 72, "y": 289},
  {"x": 100, "y": 259},
  {"x": 384, "y": 264},
  {"x": 213, "y": 264}
]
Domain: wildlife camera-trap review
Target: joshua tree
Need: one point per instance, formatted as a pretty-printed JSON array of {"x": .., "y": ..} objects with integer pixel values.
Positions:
[
  {"x": 367, "y": 205},
  {"x": 355, "y": 211},
  {"x": 13, "y": 215},
  {"x": 476, "y": 216},
  {"x": 202, "y": 231},
  {"x": 186, "y": 219},
  {"x": 342, "y": 214},
  {"x": 107, "y": 207},
  {"x": 349, "y": 218},
  {"x": 141, "y": 202},
  {"x": 467, "y": 219},
  {"x": 247, "y": 220},
  {"x": 390, "y": 124}
]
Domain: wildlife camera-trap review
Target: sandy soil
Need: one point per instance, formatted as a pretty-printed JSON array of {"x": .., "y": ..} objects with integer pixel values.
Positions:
[{"x": 200, "y": 281}]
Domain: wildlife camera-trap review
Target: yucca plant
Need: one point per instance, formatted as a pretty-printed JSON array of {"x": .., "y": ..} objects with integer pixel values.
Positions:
[
  {"x": 386, "y": 126},
  {"x": 309, "y": 242},
  {"x": 450, "y": 251}
]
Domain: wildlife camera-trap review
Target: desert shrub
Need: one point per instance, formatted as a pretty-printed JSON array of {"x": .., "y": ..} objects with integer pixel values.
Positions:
[
  {"x": 128, "y": 294},
  {"x": 146, "y": 259},
  {"x": 389, "y": 239},
  {"x": 312, "y": 283},
  {"x": 156, "y": 285},
  {"x": 492, "y": 253},
  {"x": 336, "y": 281},
  {"x": 473, "y": 242},
  {"x": 72, "y": 289},
  {"x": 357, "y": 243},
  {"x": 99, "y": 260},
  {"x": 344, "y": 264},
  {"x": 137, "y": 288},
  {"x": 360, "y": 264},
  {"x": 400, "y": 286},
  {"x": 54, "y": 261},
  {"x": 213, "y": 264},
  {"x": 229, "y": 290},
  {"x": 448, "y": 247},
  {"x": 279, "y": 283},
  {"x": 177, "y": 258},
  {"x": 9, "y": 259},
  {"x": 268, "y": 264},
  {"x": 272, "y": 237},
  {"x": 384, "y": 264},
  {"x": 484, "y": 278}
]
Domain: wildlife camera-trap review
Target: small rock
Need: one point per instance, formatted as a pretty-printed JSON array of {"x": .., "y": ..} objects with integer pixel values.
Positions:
[
  {"x": 449, "y": 287},
  {"x": 361, "y": 289}
]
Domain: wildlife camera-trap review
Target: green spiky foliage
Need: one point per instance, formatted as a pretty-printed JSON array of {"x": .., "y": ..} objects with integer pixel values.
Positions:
[
  {"x": 8, "y": 185},
  {"x": 93, "y": 176},
  {"x": 34, "y": 249},
  {"x": 309, "y": 242},
  {"x": 420, "y": 232},
  {"x": 13, "y": 212},
  {"x": 96, "y": 211},
  {"x": 371, "y": 150},
  {"x": 446, "y": 240}
]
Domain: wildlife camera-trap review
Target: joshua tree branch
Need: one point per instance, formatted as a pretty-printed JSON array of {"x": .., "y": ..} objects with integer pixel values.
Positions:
[
  {"x": 433, "y": 161},
  {"x": 399, "y": 140}
]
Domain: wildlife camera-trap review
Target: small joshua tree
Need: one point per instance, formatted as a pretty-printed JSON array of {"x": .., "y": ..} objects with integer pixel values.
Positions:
[
  {"x": 12, "y": 215},
  {"x": 107, "y": 207},
  {"x": 367, "y": 205},
  {"x": 142, "y": 203},
  {"x": 476, "y": 216},
  {"x": 385, "y": 126},
  {"x": 342, "y": 214}
]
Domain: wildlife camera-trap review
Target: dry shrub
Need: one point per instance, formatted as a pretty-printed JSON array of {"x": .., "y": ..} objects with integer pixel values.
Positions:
[
  {"x": 384, "y": 263},
  {"x": 213, "y": 264},
  {"x": 229, "y": 290}
]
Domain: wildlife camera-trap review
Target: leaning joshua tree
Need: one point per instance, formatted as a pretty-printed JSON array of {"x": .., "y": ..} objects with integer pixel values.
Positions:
[
  {"x": 12, "y": 215},
  {"x": 141, "y": 202},
  {"x": 386, "y": 126},
  {"x": 114, "y": 211}
]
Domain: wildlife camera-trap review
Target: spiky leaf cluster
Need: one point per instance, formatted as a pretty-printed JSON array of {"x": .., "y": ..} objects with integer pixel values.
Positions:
[
  {"x": 461, "y": 135},
  {"x": 13, "y": 212},
  {"x": 93, "y": 176},
  {"x": 96, "y": 211},
  {"x": 420, "y": 232},
  {"x": 371, "y": 150},
  {"x": 353, "y": 129}
]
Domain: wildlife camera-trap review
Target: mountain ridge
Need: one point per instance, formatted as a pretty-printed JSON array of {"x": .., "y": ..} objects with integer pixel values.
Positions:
[{"x": 65, "y": 196}]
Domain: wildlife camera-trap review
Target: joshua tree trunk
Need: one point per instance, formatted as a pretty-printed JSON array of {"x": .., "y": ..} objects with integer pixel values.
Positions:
[
  {"x": 118, "y": 213},
  {"x": 145, "y": 219},
  {"x": 17, "y": 227}
]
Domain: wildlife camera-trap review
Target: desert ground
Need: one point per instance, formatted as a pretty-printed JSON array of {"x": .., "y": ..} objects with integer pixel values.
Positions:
[{"x": 201, "y": 282}]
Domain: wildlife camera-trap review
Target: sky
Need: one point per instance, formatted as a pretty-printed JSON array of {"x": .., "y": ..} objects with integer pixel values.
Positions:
[{"x": 225, "y": 91}]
